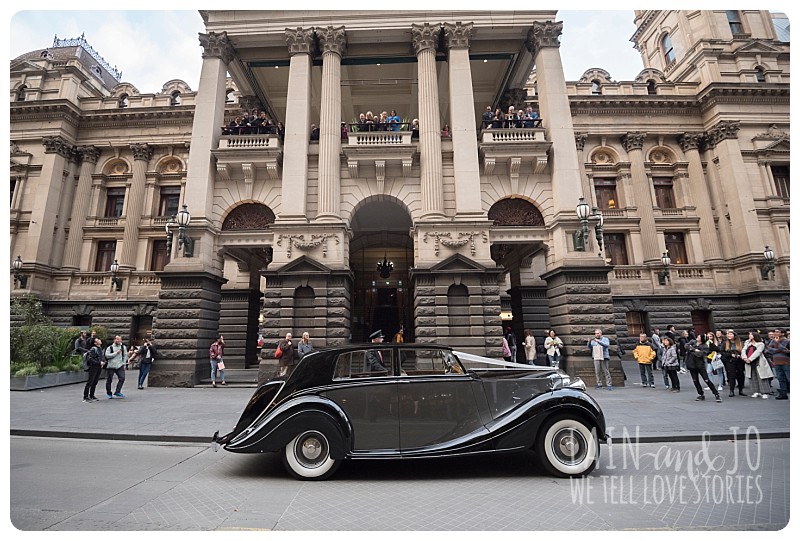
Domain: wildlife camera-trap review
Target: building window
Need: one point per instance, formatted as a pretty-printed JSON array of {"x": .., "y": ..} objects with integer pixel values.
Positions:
[
  {"x": 676, "y": 247},
  {"x": 21, "y": 93},
  {"x": 82, "y": 321},
  {"x": 665, "y": 196},
  {"x": 780, "y": 174},
  {"x": 458, "y": 310},
  {"x": 616, "y": 249},
  {"x": 666, "y": 48},
  {"x": 115, "y": 199},
  {"x": 175, "y": 99},
  {"x": 123, "y": 101},
  {"x": 651, "y": 88},
  {"x": 760, "y": 77},
  {"x": 735, "y": 22},
  {"x": 105, "y": 255},
  {"x": 168, "y": 201},
  {"x": 605, "y": 191},
  {"x": 229, "y": 96},
  {"x": 160, "y": 256},
  {"x": 596, "y": 88},
  {"x": 637, "y": 323}
]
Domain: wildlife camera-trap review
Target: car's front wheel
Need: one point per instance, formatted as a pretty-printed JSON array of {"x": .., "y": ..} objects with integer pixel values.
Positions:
[
  {"x": 308, "y": 456},
  {"x": 567, "y": 447}
]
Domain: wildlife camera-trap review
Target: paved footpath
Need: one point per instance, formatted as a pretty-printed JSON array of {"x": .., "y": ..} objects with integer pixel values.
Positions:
[{"x": 193, "y": 414}]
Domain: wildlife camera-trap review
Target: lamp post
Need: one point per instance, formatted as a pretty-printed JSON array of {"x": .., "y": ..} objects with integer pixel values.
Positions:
[
  {"x": 20, "y": 280},
  {"x": 663, "y": 275},
  {"x": 768, "y": 267},
  {"x": 116, "y": 281},
  {"x": 581, "y": 237},
  {"x": 181, "y": 220}
]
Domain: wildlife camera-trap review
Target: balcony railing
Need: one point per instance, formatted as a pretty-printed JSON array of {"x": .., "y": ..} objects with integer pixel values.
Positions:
[
  {"x": 109, "y": 222},
  {"x": 250, "y": 141},
  {"x": 507, "y": 135},
  {"x": 379, "y": 138}
]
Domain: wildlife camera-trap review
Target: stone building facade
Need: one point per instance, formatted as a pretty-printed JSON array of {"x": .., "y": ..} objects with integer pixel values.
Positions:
[{"x": 288, "y": 231}]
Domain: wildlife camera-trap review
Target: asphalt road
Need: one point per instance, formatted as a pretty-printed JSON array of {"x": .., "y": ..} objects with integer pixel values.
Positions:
[{"x": 122, "y": 486}]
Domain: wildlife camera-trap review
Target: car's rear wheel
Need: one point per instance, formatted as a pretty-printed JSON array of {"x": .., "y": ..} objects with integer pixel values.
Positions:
[
  {"x": 308, "y": 456},
  {"x": 567, "y": 447}
]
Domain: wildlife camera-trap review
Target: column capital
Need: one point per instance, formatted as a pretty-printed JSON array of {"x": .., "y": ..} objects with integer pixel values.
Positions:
[
  {"x": 332, "y": 40},
  {"x": 691, "y": 141},
  {"x": 141, "y": 151},
  {"x": 458, "y": 35},
  {"x": 424, "y": 36},
  {"x": 724, "y": 129},
  {"x": 90, "y": 154},
  {"x": 57, "y": 145},
  {"x": 544, "y": 34},
  {"x": 633, "y": 141},
  {"x": 217, "y": 45},
  {"x": 580, "y": 140},
  {"x": 299, "y": 40}
]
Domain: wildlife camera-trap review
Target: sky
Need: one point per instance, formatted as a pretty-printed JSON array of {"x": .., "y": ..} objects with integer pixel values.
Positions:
[{"x": 152, "y": 47}]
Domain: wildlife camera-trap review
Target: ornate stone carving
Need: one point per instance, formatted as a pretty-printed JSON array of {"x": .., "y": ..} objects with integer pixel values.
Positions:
[
  {"x": 332, "y": 40},
  {"x": 544, "y": 34},
  {"x": 217, "y": 46},
  {"x": 89, "y": 154},
  {"x": 725, "y": 129},
  {"x": 515, "y": 212},
  {"x": 57, "y": 145},
  {"x": 691, "y": 141},
  {"x": 463, "y": 238},
  {"x": 458, "y": 35},
  {"x": 249, "y": 217},
  {"x": 774, "y": 132},
  {"x": 424, "y": 36},
  {"x": 300, "y": 242},
  {"x": 633, "y": 141},
  {"x": 299, "y": 40},
  {"x": 580, "y": 140},
  {"x": 141, "y": 151}
]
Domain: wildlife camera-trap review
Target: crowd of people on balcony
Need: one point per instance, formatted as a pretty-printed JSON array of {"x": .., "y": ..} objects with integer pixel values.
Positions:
[
  {"x": 256, "y": 122},
  {"x": 512, "y": 118}
]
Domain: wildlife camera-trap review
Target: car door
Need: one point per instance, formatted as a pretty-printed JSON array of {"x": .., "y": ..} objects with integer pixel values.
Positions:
[
  {"x": 437, "y": 403},
  {"x": 369, "y": 399}
]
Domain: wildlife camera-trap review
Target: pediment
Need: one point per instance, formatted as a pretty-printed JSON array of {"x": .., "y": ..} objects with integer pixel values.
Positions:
[
  {"x": 781, "y": 145},
  {"x": 304, "y": 265},
  {"x": 459, "y": 263},
  {"x": 757, "y": 47}
]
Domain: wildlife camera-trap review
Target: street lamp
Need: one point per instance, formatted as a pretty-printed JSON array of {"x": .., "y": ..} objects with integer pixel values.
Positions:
[
  {"x": 581, "y": 237},
  {"x": 181, "y": 221},
  {"x": 116, "y": 280},
  {"x": 768, "y": 267},
  {"x": 663, "y": 275},
  {"x": 19, "y": 278}
]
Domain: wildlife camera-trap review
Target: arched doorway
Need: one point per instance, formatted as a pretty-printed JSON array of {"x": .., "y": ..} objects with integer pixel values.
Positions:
[{"x": 381, "y": 296}]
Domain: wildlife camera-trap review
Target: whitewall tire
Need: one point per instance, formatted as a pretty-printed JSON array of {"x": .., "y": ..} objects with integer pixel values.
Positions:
[
  {"x": 308, "y": 456},
  {"x": 567, "y": 447}
]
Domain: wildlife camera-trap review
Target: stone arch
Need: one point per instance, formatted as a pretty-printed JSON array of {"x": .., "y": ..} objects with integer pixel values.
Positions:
[
  {"x": 303, "y": 313},
  {"x": 377, "y": 198},
  {"x": 170, "y": 165},
  {"x": 116, "y": 166},
  {"x": 661, "y": 155},
  {"x": 458, "y": 310},
  {"x": 124, "y": 89},
  {"x": 604, "y": 156},
  {"x": 515, "y": 211},
  {"x": 596, "y": 74},
  {"x": 249, "y": 216},
  {"x": 648, "y": 74},
  {"x": 175, "y": 85}
]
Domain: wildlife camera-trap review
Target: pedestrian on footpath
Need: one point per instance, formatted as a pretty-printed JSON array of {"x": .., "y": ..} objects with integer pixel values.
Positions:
[
  {"x": 671, "y": 363},
  {"x": 644, "y": 355},
  {"x": 530, "y": 347},
  {"x": 779, "y": 348},
  {"x": 147, "y": 354},
  {"x": 598, "y": 346},
  {"x": 759, "y": 372},
  {"x": 116, "y": 359},
  {"x": 731, "y": 352},
  {"x": 304, "y": 347},
  {"x": 511, "y": 338},
  {"x": 288, "y": 357},
  {"x": 215, "y": 353},
  {"x": 696, "y": 358},
  {"x": 552, "y": 347},
  {"x": 96, "y": 362},
  {"x": 658, "y": 346},
  {"x": 683, "y": 339},
  {"x": 79, "y": 347}
]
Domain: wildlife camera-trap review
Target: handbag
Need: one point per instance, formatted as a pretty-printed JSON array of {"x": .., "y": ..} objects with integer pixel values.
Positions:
[
  {"x": 220, "y": 365},
  {"x": 717, "y": 363},
  {"x": 278, "y": 352},
  {"x": 764, "y": 370},
  {"x": 597, "y": 352}
]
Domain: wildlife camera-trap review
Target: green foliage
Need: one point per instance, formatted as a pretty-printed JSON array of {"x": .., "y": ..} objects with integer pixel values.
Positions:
[{"x": 29, "y": 309}]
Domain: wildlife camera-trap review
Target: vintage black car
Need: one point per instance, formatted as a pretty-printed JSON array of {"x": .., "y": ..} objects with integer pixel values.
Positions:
[{"x": 413, "y": 401}]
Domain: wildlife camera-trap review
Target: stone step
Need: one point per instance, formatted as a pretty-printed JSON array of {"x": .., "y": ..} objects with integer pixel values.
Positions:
[{"x": 237, "y": 376}]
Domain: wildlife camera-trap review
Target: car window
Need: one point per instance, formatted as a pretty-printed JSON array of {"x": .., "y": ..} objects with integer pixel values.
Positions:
[
  {"x": 363, "y": 364},
  {"x": 428, "y": 362}
]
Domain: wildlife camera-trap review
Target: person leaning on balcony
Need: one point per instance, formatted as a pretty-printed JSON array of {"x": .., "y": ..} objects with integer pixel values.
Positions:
[
  {"x": 370, "y": 121},
  {"x": 497, "y": 119},
  {"x": 345, "y": 131},
  {"x": 362, "y": 122},
  {"x": 486, "y": 122},
  {"x": 394, "y": 121},
  {"x": 314, "y": 132},
  {"x": 510, "y": 117},
  {"x": 415, "y": 128},
  {"x": 383, "y": 121}
]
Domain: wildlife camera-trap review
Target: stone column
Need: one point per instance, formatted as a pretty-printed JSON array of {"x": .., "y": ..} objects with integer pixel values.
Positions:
[
  {"x": 133, "y": 207},
  {"x": 424, "y": 38},
  {"x": 64, "y": 209},
  {"x": 738, "y": 194},
  {"x": 44, "y": 206},
  {"x": 462, "y": 122},
  {"x": 333, "y": 42},
  {"x": 80, "y": 207},
  {"x": 690, "y": 144},
  {"x": 298, "y": 117},
  {"x": 632, "y": 142}
]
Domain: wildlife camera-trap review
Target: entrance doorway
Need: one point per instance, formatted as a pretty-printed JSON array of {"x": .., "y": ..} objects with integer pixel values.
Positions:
[{"x": 381, "y": 255}]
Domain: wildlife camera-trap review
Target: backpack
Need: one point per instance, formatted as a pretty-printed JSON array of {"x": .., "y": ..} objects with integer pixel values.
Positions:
[{"x": 85, "y": 363}]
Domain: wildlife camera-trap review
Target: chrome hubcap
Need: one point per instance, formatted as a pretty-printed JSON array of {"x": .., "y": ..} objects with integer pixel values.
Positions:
[
  {"x": 311, "y": 448},
  {"x": 569, "y": 446}
]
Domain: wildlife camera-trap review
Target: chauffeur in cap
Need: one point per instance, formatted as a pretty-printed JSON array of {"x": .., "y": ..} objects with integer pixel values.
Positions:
[{"x": 374, "y": 357}]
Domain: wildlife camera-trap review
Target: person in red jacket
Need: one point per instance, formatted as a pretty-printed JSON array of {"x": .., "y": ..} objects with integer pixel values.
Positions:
[{"x": 215, "y": 353}]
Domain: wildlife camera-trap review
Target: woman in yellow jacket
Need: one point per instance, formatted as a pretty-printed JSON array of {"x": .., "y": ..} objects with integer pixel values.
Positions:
[{"x": 644, "y": 355}]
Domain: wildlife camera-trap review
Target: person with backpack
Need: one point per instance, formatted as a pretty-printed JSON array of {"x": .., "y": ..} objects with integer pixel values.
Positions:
[
  {"x": 147, "y": 354},
  {"x": 116, "y": 359},
  {"x": 95, "y": 362}
]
